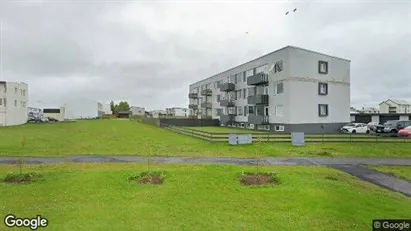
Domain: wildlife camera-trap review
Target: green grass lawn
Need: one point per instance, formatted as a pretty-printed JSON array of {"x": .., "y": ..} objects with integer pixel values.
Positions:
[
  {"x": 124, "y": 137},
  {"x": 99, "y": 197},
  {"x": 403, "y": 172}
]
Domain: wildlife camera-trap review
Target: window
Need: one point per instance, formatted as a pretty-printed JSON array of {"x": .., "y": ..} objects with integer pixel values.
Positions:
[
  {"x": 279, "y": 128},
  {"x": 266, "y": 111},
  {"x": 239, "y": 78},
  {"x": 278, "y": 66},
  {"x": 262, "y": 68},
  {"x": 239, "y": 94},
  {"x": 244, "y": 77},
  {"x": 322, "y": 88},
  {"x": 15, "y": 102},
  {"x": 279, "y": 88},
  {"x": 249, "y": 73},
  {"x": 251, "y": 110},
  {"x": 231, "y": 110},
  {"x": 322, "y": 67},
  {"x": 15, "y": 90},
  {"x": 218, "y": 112},
  {"x": 266, "y": 90},
  {"x": 323, "y": 109},
  {"x": 251, "y": 91},
  {"x": 240, "y": 110},
  {"x": 245, "y": 93},
  {"x": 279, "y": 110},
  {"x": 218, "y": 98},
  {"x": 245, "y": 110},
  {"x": 1, "y": 101}
]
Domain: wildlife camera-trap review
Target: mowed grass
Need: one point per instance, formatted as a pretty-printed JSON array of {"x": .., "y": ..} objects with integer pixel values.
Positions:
[
  {"x": 99, "y": 197},
  {"x": 403, "y": 172},
  {"x": 124, "y": 137}
]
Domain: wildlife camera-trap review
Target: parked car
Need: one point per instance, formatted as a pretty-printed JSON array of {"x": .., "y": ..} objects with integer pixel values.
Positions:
[
  {"x": 51, "y": 119},
  {"x": 393, "y": 126},
  {"x": 34, "y": 119},
  {"x": 355, "y": 128},
  {"x": 372, "y": 126},
  {"x": 406, "y": 132}
]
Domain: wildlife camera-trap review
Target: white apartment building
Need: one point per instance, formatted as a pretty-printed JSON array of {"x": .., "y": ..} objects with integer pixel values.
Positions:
[
  {"x": 158, "y": 113},
  {"x": 137, "y": 111},
  {"x": 177, "y": 112},
  {"x": 369, "y": 110},
  {"x": 290, "y": 89},
  {"x": 82, "y": 108},
  {"x": 394, "y": 106},
  {"x": 13, "y": 103}
]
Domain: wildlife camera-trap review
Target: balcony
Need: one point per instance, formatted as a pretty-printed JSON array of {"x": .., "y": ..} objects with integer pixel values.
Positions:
[
  {"x": 206, "y": 105},
  {"x": 258, "y": 99},
  {"x": 232, "y": 112},
  {"x": 193, "y": 95},
  {"x": 206, "y": 92},
  {"x": 258, "y": 119},
  {"x": 227, "y": 103},
  {"x": 227, "y": 118},
  {"x": 257, "y": 79},
  {"x": 193, "y": 106},
  {"x": 227, "y": 87}
]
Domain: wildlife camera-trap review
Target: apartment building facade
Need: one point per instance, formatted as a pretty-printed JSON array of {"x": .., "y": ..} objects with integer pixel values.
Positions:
[
  {"x": 290, "y": 89},
  {"x": 13, "y": 103},
  {"x": 177, "y": 112},
  {"x": 395, "y": 106}
]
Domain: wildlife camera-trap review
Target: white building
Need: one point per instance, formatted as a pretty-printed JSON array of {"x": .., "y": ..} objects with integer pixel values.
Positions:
[
  {"x": 58, "y": 113},
  {"x": 137, "y": 111},
  {"x": 107, "y": 109},
  {"x": 158, "y": 113},
  {"x": 177, "y": 112},
  {"x": 395, "y": 106},
  {"x": 13, "y": 103},
  {"x": 83, "y": 109},
  {"x": 290, "y": 89},
  {"x": 369, "y": 110}
]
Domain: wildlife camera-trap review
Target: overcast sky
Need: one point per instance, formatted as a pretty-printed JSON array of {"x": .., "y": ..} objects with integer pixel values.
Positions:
[{"x": 149, "y": 52}]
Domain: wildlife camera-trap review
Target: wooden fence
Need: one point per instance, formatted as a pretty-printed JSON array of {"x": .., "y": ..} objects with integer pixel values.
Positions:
[{"x": 272, "y": 137}]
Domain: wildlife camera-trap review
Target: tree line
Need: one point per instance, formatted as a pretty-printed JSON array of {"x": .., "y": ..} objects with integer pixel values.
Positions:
[{"x": 121, "y": 106}]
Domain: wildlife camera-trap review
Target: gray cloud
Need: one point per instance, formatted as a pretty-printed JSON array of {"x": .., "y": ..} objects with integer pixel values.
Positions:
[{"x": 149, "y": 52}]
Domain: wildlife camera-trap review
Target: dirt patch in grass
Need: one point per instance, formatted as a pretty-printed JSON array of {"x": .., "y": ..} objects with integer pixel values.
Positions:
[
  {"x": 149, "y": 177},
  {"x": 17, "y": 178},
  {"x": 258, "y": 179},
  {"x": 151, "y": 180}
]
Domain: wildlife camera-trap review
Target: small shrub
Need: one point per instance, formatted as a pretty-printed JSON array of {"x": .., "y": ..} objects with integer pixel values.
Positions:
[
  {"x": 259, "y": 178},
  {"x": 21, "y": 177},
  {"x": 330, "y": 177},
  {"x": 149, "y": 177}
]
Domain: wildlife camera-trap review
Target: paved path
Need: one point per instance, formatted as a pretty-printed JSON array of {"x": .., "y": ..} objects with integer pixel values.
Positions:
[
  {"x": 212, "y": 160},
  {"x": 351, "y": 166}
]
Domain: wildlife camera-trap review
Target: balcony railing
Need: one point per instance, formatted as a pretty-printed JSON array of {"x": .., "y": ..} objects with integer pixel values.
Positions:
[
  {"x": 193, "y": 95},
  {"x": 207, "y": 92},
  {"x": 257, "y": 79},
  {"x": 227, "y": 118},
  {"x": 227, "y": 103},
  {"x": 227, "y": 87},
  {"x": 193, "y": 106},
  {"x": 258, "y": 99},
  {"x": 206, "y": 105},
  {"x": 258, "y": 119}
]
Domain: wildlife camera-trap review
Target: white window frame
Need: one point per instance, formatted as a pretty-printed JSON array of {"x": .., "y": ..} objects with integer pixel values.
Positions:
[
  {"x": 326, "y": 108},
  {"x": 279, "y": 128}
]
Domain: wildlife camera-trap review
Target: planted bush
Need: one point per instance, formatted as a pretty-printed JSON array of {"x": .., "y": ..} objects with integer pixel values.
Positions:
[
  {"x": 149, "y": 177},
  {"x": 259, "y": 178},
  {"x": 22, "y": 177}
]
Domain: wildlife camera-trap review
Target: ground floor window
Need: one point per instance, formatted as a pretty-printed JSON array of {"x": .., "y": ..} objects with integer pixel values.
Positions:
[{"x": 279, "y": 128}]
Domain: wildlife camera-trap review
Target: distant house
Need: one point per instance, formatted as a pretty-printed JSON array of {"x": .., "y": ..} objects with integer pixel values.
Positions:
[
  {"x": 353, "y": 110},
  {"x": 177, "y": 112},
  {"x": 158, "y": 113},
  {"x": 369, "y": 110},
  {"x": 395, "y": 106},
  {"x": 123, "y": 114},
  {"x": 57, "y": 113},
  {"x": 137, "y": 111}
]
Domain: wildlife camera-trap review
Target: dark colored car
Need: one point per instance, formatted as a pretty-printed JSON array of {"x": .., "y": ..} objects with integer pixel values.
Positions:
[
  {"x": 392, "y": 126},
  {"x": 51, "y": 119}
]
